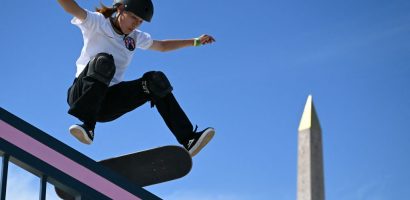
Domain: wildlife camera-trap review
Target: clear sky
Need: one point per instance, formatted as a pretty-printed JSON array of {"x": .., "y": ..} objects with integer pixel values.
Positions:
[{"x": 353, "y": 56}]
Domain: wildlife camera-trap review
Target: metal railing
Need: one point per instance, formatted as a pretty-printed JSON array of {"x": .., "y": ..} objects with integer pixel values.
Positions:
[{"x": 56, "y": 163}]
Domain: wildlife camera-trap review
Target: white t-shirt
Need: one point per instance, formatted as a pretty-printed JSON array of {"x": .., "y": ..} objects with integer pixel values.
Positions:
[{"x": 100, "y": 37}]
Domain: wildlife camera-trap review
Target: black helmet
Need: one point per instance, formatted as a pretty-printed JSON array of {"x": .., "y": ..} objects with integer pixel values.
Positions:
[{"x": 141, "y": 8}]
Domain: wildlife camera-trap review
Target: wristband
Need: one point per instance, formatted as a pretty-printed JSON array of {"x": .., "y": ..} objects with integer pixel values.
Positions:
[{"x": 197, "y": 42}]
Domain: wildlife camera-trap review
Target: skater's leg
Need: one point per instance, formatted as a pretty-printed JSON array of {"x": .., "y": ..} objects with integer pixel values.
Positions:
[
  {"x": 159, "y": 89},
  {"x": 127, "y": 96},
  {"x": 86, "y": 94}
]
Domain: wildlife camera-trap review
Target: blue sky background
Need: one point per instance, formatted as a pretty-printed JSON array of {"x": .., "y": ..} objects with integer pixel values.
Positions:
[{"x": 353, "y": 56}]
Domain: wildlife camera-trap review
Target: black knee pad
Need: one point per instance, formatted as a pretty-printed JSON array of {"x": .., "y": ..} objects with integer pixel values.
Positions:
[
  {"x": 156, "y": 84},
  {"x": 102, "y": 68}
]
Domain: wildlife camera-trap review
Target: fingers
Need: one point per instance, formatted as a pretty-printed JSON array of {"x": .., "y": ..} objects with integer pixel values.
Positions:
[{"x": 206, "y": 39}]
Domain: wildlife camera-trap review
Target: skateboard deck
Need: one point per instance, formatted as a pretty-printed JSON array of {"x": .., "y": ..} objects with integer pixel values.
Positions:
[{"x": 148, "y": 167}]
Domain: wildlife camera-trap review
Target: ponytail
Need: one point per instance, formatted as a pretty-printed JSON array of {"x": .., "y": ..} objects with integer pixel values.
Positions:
[{"x": 106, "y": 11}]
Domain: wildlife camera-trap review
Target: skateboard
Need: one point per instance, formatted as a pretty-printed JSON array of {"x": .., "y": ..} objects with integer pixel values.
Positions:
[{"x": 147, "y": 167}]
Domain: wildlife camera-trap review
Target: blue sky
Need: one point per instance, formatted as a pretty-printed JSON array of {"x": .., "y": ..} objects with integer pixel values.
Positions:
[{"x": 251, "y": 85}]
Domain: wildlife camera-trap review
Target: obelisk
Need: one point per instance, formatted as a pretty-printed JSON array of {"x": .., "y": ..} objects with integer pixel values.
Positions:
[{"x": 310, "y": 156}]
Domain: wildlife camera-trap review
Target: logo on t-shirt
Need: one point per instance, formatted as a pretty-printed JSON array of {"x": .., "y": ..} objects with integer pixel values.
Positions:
[{"x": 129, "y": 43}]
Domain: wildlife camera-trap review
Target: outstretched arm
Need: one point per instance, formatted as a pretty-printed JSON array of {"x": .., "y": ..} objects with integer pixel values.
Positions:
[
  {"x": 169, "y": 45},
  {"x": 73, "y": 8}
]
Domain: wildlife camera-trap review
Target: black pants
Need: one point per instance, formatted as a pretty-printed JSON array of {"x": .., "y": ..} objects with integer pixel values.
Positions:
[{"x": 92, "y": 101}]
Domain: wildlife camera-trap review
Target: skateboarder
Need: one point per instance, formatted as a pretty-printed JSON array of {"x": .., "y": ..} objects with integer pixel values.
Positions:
[{"x": 99, "y": 93}]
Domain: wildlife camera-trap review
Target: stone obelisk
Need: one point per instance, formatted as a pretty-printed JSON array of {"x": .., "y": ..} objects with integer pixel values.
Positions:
[{"x": 310, "y": 156}]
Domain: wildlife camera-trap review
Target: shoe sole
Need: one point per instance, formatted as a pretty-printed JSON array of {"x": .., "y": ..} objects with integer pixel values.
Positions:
[
  {"x": 202, "y": 142},
  {"x": 80, "y": 135}
]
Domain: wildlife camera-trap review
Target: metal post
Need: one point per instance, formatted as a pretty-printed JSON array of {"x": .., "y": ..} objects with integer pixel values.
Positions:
[
  {"x": 4, "y": 171},
  {"x": 43, "y": 187}
]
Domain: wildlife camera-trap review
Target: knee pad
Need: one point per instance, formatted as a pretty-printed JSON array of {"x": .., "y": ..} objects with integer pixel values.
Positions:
[
  {"x": 156, "y": 84},
  {"x": 102, "y": 68}
]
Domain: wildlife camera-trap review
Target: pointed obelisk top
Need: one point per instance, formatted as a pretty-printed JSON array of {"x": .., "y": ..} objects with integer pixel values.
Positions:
[{"x": 309, "y": 117}]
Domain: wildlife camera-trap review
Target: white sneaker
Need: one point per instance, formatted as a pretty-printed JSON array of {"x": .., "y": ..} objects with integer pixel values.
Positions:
[{"x": 82, "y": 133}]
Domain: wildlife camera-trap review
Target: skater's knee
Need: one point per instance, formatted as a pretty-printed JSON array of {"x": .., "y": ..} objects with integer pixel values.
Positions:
[
  {"x": 156, "y": 84},
  {"x": 102, "y": 68}
]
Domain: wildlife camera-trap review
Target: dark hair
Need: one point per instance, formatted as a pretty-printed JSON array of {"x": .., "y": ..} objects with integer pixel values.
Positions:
[{"x": 106, "y": 11}]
